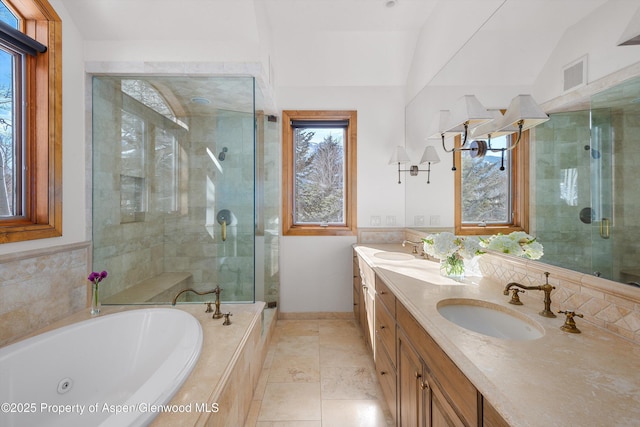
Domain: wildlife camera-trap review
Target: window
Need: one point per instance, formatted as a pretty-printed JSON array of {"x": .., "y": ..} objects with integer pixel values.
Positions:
[
  {"x": 489, "y": 200},
  {"x": 319, "y": 166},
  {"x": 30, "y": 121},
  {"x": 149, "y": 159}
]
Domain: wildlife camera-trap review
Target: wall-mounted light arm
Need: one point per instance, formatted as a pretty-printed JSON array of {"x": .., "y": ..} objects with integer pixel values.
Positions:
[{"x": 400, "y": 156}]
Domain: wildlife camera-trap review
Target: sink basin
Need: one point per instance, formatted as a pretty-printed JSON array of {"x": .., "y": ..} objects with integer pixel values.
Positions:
[
  {"x": 490, "y": 319},
  {"x": 394, "y": 256}
]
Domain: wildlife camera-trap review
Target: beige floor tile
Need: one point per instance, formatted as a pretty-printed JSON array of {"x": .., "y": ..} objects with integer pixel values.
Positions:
[
  {"x": 302, "y": 346},
  {"x": 339, "y": 327},
  {"x": 349, "y": 383},
  {"x": 290, "y": 402},
  {"x": 297, "y": 327},
  {"x": 344, "y": 351},
  {"x": 289, "y": 424},
  {"x": 354, "y": 413},
  {"x": 293, "y": 369}
]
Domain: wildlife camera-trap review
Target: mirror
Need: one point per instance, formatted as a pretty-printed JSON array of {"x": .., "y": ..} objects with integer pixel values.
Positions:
[{"x": 584, "y": 180}]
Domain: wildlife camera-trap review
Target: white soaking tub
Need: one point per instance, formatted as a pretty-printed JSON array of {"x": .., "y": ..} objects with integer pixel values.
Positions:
[{"x": 115, "y": 370}]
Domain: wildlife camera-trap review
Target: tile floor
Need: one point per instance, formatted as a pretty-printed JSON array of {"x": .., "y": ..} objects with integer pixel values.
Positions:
[{"x": 318, "y": 373}]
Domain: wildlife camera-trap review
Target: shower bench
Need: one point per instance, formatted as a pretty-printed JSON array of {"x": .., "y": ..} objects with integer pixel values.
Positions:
[{"x": 157, "y": 289}]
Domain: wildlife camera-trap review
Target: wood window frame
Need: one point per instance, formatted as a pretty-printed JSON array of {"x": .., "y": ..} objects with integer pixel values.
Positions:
[
  {"x": 42, "y": 217},
  {"x": 519, "y": 193},
  {"x": 288, "y": 170}
]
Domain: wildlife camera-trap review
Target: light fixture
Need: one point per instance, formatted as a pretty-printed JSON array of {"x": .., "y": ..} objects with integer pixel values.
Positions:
[
  {"x": 523, "y": 113},
  {"x": 470, "y": 117},
  {"x": 429, "y": 156},
  {"x": 400, "y": 156}
]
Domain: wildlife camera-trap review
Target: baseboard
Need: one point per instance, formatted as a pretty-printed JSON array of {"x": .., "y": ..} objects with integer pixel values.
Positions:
[{"x": 316, "y": 315}]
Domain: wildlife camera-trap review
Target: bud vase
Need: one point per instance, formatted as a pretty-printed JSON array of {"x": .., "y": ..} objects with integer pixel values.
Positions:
[
  {"x": 95, "y": 300},
  {"x": 452, "y": 267}
]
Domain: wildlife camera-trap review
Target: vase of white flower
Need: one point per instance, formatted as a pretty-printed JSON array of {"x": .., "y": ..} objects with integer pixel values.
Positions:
[{"x": 453, "y": 252}]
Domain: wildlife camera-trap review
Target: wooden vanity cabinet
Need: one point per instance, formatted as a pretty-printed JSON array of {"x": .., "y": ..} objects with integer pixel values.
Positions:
[
  {"x": 359, "y": 303},
  {"x": 452, "y": 399},
  {"x": 490, "y": 417},
  {"x": 356, "y": 288},
  {"x": 421, "y": 402},
  {"x": 385, "y": 348}
]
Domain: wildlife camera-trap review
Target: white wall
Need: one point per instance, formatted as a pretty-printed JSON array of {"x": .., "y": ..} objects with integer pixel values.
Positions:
[
  {"x": 597, "y": 36},
  {"x": 316, "y": 272},
  {"x": 74, "y": 193}
]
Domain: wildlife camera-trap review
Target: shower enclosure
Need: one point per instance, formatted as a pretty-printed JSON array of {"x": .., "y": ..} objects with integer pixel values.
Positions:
[
  {"x": 587, "y": 175},
  {"x": 179, "y": 184}
]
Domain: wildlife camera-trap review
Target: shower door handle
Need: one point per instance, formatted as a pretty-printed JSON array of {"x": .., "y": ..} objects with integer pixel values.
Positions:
[
  {"x": 605, "y": 228},
  {"x": 224, "y": 219}
]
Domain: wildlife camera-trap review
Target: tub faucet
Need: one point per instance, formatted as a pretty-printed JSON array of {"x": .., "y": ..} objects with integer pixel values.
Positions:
[
  {"x": 217, "y": 314},
  {"x": 546, "y": 288}
]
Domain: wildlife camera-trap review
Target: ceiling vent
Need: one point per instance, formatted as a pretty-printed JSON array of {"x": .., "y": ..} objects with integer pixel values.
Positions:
[{"x": 575, "y": 74}]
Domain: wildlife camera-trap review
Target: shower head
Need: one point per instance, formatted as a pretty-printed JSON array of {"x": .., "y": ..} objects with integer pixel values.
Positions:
[{"x": 223, "y": 154}]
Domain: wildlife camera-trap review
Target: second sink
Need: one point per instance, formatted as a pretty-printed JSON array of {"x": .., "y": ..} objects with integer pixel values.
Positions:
[{"x": 489, "y": 319}]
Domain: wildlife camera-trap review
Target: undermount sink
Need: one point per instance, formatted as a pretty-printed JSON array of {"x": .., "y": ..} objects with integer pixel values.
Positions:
[
  {"x": 394, "y": 256},
  {"x": 490, "y": 319}
]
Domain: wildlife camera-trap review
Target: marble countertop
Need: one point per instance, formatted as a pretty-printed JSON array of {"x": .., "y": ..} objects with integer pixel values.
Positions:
[{"x": 560, "y": 379}]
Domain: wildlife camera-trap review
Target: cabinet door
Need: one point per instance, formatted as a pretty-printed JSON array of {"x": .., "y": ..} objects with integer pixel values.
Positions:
[
  {"x": 442, "y": 414},
  {"x": 411, "y": 396}
]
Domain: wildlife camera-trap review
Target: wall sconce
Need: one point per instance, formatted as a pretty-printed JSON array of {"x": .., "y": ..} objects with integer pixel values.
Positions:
[
  {"x": 466, "y": 114},
  {"x": 523, "y": 113},
  {"x": 469, "y": 116},
  {"x": 429, "y": 156}
]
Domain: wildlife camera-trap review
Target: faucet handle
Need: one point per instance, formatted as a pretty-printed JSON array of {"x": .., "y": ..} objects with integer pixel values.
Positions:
[
  {"x": 570, "y": 323},
  {"x": 209, "y": 309},
  {"x": 515, "y": 299}
]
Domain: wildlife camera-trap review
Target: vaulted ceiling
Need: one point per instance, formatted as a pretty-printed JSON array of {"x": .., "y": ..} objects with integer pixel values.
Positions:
[{"x": 356, "y": 42}]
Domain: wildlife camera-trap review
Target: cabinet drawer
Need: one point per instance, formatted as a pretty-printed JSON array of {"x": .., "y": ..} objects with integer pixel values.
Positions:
[
  {"x": 386, "y": 376},
  {"x": 454, "y": 384},
  {"x": 490, "y": 417},
  {"x": 386, "y": 296},
  {"x": 386, "y": 329}
]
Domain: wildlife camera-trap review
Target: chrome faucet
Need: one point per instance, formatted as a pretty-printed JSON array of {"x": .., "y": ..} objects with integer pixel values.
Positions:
[
  {"x": 415, "y": 245},
  {"x": 217, "y": 314},
  {"x": 546, "y": 288}
]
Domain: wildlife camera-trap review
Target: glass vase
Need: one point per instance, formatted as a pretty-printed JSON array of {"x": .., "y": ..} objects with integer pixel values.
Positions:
[
  {"x": 95, "y": 300},
  {"x": 452, "y": 267}
]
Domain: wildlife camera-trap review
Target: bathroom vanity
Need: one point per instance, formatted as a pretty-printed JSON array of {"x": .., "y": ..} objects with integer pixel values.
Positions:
[{"x": 434, "y": 372}]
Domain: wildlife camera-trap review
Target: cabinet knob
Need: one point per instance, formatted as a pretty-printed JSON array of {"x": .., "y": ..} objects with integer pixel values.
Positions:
[
  {"x": 382, "y": 292},
  {"x": 418, "y": 375},
  {"x": 383, "y": 373},
  {"x": 382, "y": 326},
  {"x": 424, "y": 385}
]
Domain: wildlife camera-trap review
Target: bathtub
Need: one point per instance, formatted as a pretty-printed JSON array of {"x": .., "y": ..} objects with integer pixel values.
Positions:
[{"x": 113, "y": 370}]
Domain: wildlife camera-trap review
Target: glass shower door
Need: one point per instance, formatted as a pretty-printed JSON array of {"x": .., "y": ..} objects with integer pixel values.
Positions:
[{"x": 174, "y": 187}]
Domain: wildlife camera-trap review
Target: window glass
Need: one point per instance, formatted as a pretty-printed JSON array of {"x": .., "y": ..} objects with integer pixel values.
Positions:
[
  {"x": 148, "y": 95},
  {"x": 132, "y": 169},
  {"x": 486, "y": 186},
  {"x": 319, "y": 175},
  {"x": 11, "y": 148}
]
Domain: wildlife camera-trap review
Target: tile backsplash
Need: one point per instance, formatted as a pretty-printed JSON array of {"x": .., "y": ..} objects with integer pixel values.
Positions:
[{"x": 41, "y": 286}]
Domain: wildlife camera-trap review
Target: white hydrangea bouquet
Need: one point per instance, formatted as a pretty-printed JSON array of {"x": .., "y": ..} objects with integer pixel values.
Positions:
[
  {"x": 517, "y": 243},
  {"x": 452, "y": 250}
]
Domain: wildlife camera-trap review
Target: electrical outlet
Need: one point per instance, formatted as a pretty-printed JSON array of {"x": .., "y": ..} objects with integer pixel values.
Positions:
[
  {"x": 418, "y": 220},
  {"x": 376, "y": 221},
  {"x": 434, "y": 220},
  {"x": 391, "y": 220}
]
